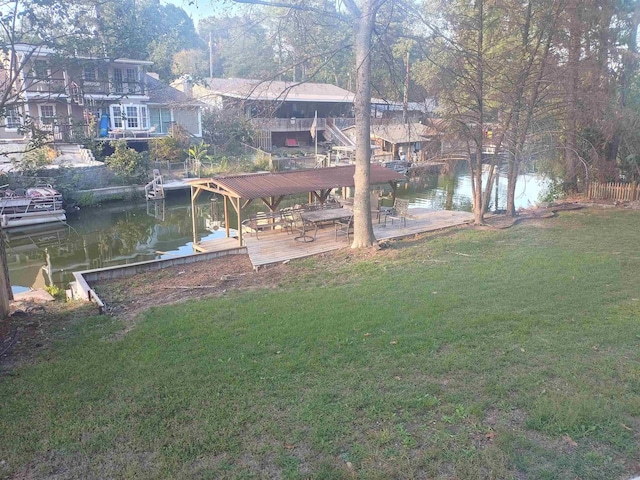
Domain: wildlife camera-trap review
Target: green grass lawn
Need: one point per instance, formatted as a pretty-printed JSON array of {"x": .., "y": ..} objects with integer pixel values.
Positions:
[{"x": 481, "y": 354}]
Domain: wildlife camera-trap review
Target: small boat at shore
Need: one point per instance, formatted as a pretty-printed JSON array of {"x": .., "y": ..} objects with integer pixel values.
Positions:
[{"x": 31, "y": 206}]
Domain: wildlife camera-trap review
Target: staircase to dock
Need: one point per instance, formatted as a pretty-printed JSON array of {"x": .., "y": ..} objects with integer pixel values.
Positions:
[{"x": 337, "y": 135}]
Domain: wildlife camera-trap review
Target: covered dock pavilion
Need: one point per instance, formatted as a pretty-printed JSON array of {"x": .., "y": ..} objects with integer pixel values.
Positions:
[{"x": 271, "y": 188}]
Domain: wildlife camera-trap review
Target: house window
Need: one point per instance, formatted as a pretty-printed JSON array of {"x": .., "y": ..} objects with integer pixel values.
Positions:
[
  {"x": 161, "y": 118},
  {"x": 144, "y": 120},
  {"x": 92, "y": 115},
  {"x": 13, "y": 119},
  {"x": 131, "y": 80},
  {"x": 103, "y": 73},
  {"x": 117, "y": 80},
  {"x": 132, "y": 117},
  {"x": 47, "y": 114},
  {"x": 89, "y": 74},
  {"x": 40, "y": 69},
  {"x": 129, "y": 117},
  {"x": 116, "y": 116}
]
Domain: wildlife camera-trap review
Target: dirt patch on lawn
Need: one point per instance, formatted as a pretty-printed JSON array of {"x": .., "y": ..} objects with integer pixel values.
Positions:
[
  {"x": 531, "y": 214},
  {"x": 33, "y": 326},
  {"x": 126, "y": 298}
]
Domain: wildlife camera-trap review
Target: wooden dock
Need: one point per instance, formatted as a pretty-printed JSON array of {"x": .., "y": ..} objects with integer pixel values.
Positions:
[
  {"x": 278, "y": 246},
  {"x": 217, "y": 245}
]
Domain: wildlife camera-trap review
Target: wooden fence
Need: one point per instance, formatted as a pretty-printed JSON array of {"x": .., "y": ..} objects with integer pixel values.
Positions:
[{"x": 623, "y": 192}]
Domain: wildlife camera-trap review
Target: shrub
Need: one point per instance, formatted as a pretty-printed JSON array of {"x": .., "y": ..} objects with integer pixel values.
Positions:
[{"x": 127, "y": 163}]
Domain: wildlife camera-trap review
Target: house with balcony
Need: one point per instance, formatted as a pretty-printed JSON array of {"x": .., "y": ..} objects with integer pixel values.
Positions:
[
  {"x": 282, "y": 113},
  {"x": 80, "y": 97}
]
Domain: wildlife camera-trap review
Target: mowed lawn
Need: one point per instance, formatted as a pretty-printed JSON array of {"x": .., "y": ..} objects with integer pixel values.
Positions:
[{"x": 477, "y": 354}]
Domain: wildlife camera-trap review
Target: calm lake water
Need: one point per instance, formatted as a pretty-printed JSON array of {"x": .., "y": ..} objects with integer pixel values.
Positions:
[{"x": 121, "y": 233}]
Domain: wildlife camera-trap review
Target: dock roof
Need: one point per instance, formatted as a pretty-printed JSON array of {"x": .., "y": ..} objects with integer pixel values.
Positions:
[{"x": 264, "y": 185}]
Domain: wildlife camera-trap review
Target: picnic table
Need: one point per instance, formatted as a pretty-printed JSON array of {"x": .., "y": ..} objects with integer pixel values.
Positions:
[
  {"x": 327, "y": 214},
  {"x": 306, "y": 222}
]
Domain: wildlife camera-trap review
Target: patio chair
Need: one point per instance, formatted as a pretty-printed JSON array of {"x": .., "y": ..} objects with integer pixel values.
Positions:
[
  {"x": 287, "y": 219},
  {"x": 344, "y": 226},
  {"x": 375, "y": 204},
  {"x": 116, "y": 133},
  {"x": 303, "y": 228},
  {"x": 145, "y": 133},
  {"x": 400, "y": 211}
]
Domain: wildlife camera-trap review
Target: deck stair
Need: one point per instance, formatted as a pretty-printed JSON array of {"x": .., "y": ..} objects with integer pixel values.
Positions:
[
  {"x": 337, "y": 135},
  {"x": 154, "y": 190},
  {"x": 74, "y": 155}
]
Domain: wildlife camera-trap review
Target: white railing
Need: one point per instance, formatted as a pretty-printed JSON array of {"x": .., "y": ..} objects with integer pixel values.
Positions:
[{"x": 287, "y": 124}]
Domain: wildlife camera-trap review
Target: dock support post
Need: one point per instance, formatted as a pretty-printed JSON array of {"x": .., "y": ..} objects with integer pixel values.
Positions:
[{"x": 195, "y": 191}]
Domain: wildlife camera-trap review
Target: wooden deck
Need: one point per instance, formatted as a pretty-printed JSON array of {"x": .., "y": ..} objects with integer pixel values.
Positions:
[
  {"x": 278, "y": 246},
  {"x": 217, "y": 245}
]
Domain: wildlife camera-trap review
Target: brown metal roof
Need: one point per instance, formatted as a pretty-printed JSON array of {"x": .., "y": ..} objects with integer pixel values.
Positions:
[
  {"x": 264, "y": 185},
  {"x": 274, "y": 90}
]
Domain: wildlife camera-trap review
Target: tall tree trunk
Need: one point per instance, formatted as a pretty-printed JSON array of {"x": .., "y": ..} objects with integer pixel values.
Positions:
[
  {"x": 476, "y": 177},
  {"x": 5, "y": 285},
  {"x": 521, "y": 126},
  {"x": 570, "y": 148},
  {"x": 363, "y": 226},
  {"x": 629, "y": 69}
]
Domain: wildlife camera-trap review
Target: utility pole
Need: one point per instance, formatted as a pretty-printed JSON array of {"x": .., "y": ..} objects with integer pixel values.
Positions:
[
  {"x": 405, "y": 104},
  {"x": 405, "y": 108},
  {"x": 210, "y": 56}
]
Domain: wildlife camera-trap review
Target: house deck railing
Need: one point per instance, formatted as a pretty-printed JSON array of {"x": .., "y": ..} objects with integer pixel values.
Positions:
[
  {"x": 59, "y": 87},
  {"x": 45, "y": 86},
  {"x": 287, "y": 124}
]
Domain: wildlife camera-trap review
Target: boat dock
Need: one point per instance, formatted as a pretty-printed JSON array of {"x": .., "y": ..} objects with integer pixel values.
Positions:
[{"x": 277, "y": 246}]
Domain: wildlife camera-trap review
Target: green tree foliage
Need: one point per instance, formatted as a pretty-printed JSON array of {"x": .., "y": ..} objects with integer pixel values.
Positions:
[
  {"x": 241, "y": 46},
  {"x": 127, "y": 163},
  {"x": 193, "y": 62},
  {"x": 34, "y": 160},
  {"x": 144, "y": 30},
  {"x": 550, "y": 72},
  {"x": 169, "y": 149},
  {"x": 227, "y": 129}
]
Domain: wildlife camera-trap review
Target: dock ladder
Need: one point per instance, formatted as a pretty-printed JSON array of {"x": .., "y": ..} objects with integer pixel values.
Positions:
[{"x": 154, "y": 190}]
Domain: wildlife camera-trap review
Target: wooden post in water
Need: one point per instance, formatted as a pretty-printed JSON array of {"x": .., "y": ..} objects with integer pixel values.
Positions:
[
  {"x": 6, "y": 295},
  {"x": 226, "y": 215},
  {"x": 194, "y": 193},
  {"x": 239, "y": 213}
]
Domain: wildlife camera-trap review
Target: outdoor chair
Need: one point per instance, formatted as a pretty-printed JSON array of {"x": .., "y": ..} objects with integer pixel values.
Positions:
[
  {"x": 303, "y": 228},
  {"x": 400, "y": 211},
  {"x": 375, "y": 204},
  {"x": 116, "y": 133},
  {"x": 145, "y": 133},
  {"x": 288, "y": 219},
  {"x": 344, "y": 226},
  {"x": 262, "y": 221}
]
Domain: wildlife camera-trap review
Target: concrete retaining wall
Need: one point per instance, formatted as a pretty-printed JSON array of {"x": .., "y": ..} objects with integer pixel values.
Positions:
[
  {"x": 96, "y": 195},
  {"x": 81, "y": 288}
]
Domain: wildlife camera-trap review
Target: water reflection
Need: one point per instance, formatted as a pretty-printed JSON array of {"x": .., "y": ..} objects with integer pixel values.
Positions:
[
  {"x": 105, "y": 236},
  {"x": 452, "y": 191},
  {"x": 137, "y": 231}
]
